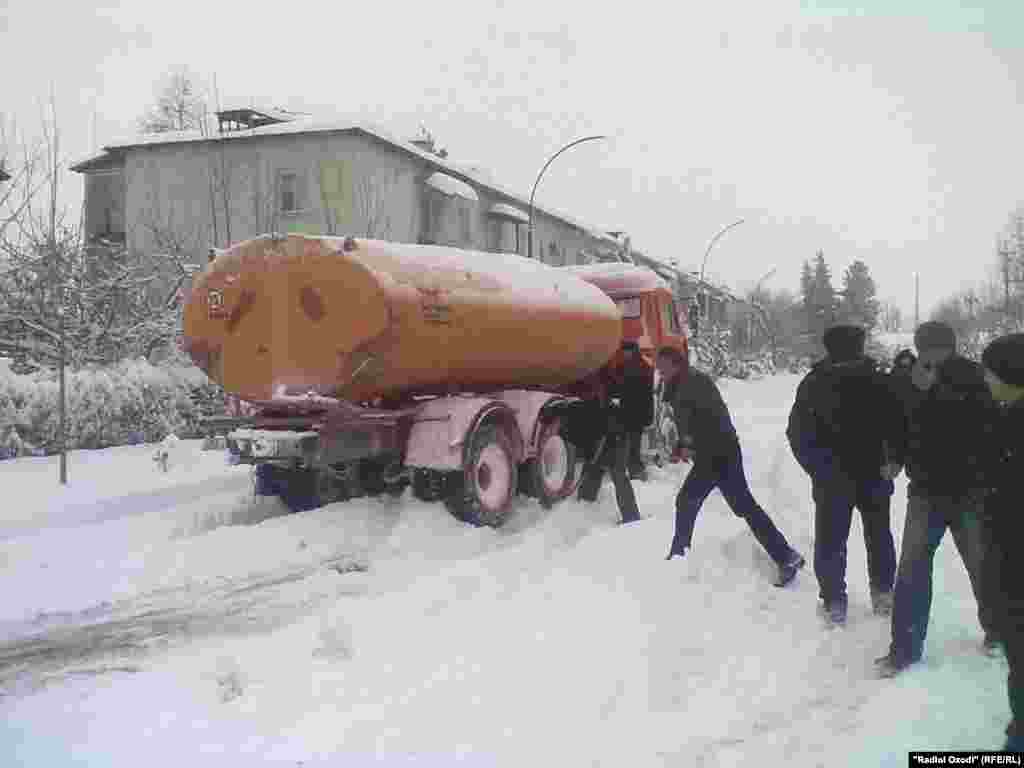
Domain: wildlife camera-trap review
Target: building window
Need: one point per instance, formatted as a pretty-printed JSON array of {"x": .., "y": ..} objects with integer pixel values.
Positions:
[
  {"x": 465, "y": 229},
  {"x": 288, "y": 192},
  {"x": 553, "y": 256}
]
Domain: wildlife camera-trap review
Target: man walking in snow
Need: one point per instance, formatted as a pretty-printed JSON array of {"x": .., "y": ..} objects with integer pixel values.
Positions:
[
  {"x": 1003, "y": 569},
  {"x": 846, "y": 431},
  {"x": 950, "y": 456},
  {"x": 708, "y": 438}
]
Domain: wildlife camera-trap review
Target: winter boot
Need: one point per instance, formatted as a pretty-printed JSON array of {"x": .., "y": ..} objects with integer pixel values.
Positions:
[
  {"x": 1014, "y": 739},
  {"x": 992, "y": 645},
  {"x": 638, "y": 473},
  {"x": 676, "y": 550},
  {"x": 892, "y": 664},
  {"x": 789, "y": 568},
  {"x": 834, "y": 613},
  {"x": 881, "y": 603}
]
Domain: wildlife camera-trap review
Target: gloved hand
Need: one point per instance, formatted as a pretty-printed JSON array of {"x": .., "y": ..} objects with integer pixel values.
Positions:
[{"x": 681, "y": 454}]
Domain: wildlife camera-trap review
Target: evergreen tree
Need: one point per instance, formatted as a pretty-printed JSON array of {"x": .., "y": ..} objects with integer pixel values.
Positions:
[
  {"x": 859, "y": 304},
  {"x": 823, "y": 305},
  {"x": 806, "y": 286}
]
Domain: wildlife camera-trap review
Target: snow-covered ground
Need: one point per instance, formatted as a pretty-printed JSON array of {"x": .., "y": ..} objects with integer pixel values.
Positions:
[{"x": 172, "y": 620}]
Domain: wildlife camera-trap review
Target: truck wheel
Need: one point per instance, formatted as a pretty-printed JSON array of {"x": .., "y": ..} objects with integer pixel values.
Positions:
[
  {"x": 552, "y": 474},
  {"x": 482, "y": 493}
]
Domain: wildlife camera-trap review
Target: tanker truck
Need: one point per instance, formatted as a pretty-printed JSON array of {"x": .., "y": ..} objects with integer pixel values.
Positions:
[{"x": 375, "y": 365}]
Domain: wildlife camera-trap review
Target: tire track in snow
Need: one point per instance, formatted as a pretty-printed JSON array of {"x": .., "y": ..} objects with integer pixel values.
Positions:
[{"x": 116, "y": 638}]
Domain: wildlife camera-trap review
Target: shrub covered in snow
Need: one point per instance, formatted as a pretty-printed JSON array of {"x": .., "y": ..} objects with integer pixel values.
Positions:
[
  {"x": 713, "y": 354},
  {"x": 129, "y": 403}
]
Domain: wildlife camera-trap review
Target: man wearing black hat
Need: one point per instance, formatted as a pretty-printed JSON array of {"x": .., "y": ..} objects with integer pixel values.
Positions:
[
  {"x": 950, "y": 457},
  {"x": 637, "y": 399},
  {"x": 846, "y": 431},
  {"x": 1003, "y": 570},
  {"x": 609, "y": 449}
]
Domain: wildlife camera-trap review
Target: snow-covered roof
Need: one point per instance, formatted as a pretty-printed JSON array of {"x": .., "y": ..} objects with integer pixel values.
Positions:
[
  {"x": 313, "y": 125},
  {"x": 449, "y": 185},
  {"x": 618, "y": 279},
  {"x": 509, "y": 212}
]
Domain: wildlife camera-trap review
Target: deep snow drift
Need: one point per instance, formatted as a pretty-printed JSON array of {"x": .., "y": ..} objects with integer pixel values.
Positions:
[{"x": 193, "y": 625}]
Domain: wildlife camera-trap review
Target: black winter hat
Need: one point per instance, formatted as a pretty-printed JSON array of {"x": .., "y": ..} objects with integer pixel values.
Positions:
[
  {"x": 1005, "y": 358},
  {"x": 934, "y": 335},
  {"x": 844, "y": 342}
]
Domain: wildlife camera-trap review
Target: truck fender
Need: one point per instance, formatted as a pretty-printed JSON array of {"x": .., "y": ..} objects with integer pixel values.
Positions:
[
  {"x": 439, "y": 432},
  {"x": 528, "y": 405}
]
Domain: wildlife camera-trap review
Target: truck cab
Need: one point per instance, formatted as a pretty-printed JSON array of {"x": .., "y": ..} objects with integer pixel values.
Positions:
[{"x": 650, "y": 314}]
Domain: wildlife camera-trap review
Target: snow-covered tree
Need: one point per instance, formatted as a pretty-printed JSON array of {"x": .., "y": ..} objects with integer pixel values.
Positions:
[{"x": 178, "y": 105}]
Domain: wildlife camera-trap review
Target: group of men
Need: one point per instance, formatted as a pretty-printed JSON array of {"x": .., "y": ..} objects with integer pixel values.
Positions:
[{"x": 956, "y": 428}]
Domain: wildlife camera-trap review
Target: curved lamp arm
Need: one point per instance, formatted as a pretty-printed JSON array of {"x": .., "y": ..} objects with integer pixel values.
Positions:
[{"x": 537, "y": 181}]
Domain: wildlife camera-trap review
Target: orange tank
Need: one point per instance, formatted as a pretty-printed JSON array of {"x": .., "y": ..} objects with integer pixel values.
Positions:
[{"x": 361, "y": 319}]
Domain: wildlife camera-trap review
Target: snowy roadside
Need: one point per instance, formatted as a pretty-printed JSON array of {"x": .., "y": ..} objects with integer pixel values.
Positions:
[{"x": 561, "y": 639}]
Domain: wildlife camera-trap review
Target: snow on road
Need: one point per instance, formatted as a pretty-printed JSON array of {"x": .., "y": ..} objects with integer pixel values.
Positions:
[{"x": 216, "y": 629}]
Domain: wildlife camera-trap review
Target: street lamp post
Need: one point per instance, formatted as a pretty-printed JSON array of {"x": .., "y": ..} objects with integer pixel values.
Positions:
[
  {"x": 529, "y": 234},
  {"x": 701, "y": 286}
]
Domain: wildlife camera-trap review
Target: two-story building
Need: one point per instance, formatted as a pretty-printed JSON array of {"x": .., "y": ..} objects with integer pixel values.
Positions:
[{"x": 264, "y": 171}]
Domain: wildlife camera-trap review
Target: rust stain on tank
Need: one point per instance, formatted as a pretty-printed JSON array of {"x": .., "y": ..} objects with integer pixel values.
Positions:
[
  {"x": 245, "y": 304},
  {"x": 312, "y": 304}
]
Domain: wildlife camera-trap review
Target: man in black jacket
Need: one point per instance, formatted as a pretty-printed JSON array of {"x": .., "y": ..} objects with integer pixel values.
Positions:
[
  {"x": 637, "y": 400},
  {"x": 950, "y": 457},
  {"x": 608, "y": 449},
  {"x": 1003, "y": 571},
  {"x": 845, "y": 430},
  {"x": 708, "y": 437}
]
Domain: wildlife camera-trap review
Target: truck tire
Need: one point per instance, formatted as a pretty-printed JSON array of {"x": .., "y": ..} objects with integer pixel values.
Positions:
[
  {"x": 551, "y": 476},
  {"x": 481, "y": 494}
]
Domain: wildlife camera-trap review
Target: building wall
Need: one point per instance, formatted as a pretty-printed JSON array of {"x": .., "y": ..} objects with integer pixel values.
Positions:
[
  {"x": 104, "y": 203},
  {"x": 196, "y": 195}
]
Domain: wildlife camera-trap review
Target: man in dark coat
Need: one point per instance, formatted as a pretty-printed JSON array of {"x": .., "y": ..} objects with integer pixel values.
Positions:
[
  {"x": 637, "y": 400},
  {"x": 708, "y": 438},
  {"x": 846, "y": 431},
  {"x": 1003, "y": 572},
  {"x": 950, "y": 455},
  {"x": 608, "y": 449}
]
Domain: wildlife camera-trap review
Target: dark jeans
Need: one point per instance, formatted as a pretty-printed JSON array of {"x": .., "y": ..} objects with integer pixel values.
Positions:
[
  {"x": 928, "y": 517},
  {"x": 726, "y": 474},
  {"x": 615, "y": 456},
  {"x": 833, "y": 515},
  {"x": 636, "y": 459},
  {"x": 1013, "y": 644}
]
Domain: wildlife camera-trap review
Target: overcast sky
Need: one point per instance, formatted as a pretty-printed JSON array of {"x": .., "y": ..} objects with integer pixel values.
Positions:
[{"x": 892, "y": 134}]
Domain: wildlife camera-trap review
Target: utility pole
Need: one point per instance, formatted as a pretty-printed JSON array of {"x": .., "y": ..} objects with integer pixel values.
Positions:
[{"x": 917, "y": 299}]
